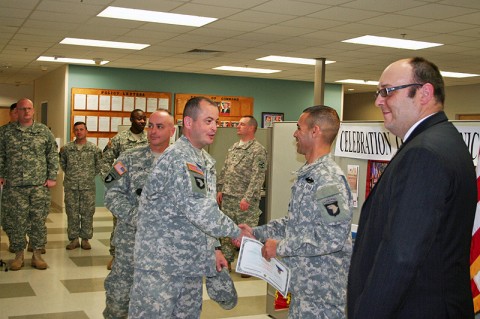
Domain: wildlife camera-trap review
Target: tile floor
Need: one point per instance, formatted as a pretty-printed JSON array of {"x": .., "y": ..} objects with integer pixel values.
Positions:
[{"x": 72, "y": 286}]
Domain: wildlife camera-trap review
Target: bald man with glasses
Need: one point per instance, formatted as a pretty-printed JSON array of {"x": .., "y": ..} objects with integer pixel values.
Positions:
[{"x": 28, "y": 169}]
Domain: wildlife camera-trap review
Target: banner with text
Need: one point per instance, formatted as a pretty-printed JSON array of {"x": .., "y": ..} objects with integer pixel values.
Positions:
[{"x": 372, "y": 141}]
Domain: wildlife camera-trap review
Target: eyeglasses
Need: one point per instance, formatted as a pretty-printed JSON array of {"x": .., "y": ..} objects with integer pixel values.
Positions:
[
  {"x": 386, "y": 91},
  {"x": 25, "y": 109}
]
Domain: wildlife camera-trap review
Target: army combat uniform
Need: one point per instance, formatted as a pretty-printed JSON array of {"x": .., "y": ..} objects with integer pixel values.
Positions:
[
  {"x": 81, "y": 163},
  {"x": 124, "y": 184},
  {"x": 242, "y": 176},
  {"x": 6, "y": 223},
  {"x": 315, "y": 240},
  {"x": 118, "y": 144},
  {"x": 28, "y": 158},
  {"x": 178, "y": 222}
]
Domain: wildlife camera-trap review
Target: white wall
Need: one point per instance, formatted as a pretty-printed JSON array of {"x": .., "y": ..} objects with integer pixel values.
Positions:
[
  {"x": 10, "y": 93},
  {"x": 52, "y": 88}
]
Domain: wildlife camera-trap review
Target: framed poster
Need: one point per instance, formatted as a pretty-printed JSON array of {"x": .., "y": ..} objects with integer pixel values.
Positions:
[
  {"x": 230, "y": 108},
  {"x": 268, "y": 118},
  {"x": 374, "y": 171}
]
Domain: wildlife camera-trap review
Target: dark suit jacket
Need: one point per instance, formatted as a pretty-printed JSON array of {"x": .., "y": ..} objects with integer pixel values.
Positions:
[{"x": 411, "y": 253}]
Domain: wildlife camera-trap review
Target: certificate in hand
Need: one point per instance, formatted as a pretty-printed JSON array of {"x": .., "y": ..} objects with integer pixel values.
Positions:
[{"x": 251, "y": 262}]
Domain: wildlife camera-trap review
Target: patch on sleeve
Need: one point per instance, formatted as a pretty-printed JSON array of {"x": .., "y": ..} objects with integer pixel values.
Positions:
[
  {"x": 197, "y": 179},
  {"x": 261, "y": 164},
  {"x": 115, "y": 173},
  {"x": 194, "y": 168},
  {"x": 332, "y": 207},
  {"x": 332, "y": 204},
  {"x": 119, "y": 168}
]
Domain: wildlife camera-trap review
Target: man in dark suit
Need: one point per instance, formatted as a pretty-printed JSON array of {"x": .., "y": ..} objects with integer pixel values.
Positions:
[{"x": 411, "y": 254}]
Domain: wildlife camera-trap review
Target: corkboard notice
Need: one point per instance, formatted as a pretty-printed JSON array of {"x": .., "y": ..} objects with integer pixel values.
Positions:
[
  {"x": 105, "y": 111},
  {"x": 231, "y": 108}
]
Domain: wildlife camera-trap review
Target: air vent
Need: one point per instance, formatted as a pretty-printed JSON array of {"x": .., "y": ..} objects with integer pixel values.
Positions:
[{"x": 204, "y": 52}]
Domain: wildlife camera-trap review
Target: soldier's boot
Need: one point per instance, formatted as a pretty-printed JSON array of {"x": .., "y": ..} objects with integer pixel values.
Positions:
[
  {"x": 37, "y": 261},
  {"x": 73, "y": 244},
  {"x": 85, "y": 244},
  {"x": 17, "y": 263}
]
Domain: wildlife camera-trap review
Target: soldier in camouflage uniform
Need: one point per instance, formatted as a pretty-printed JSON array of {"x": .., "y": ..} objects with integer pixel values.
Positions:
[
  {"x": 6, "y": 222},
  {"x": 240, "y": 182},
  {"x": 81, "y": 161},
  {"x": 28, "y": 169},
  {"x": 124, "y": 186},
  {"x": 314, "y": 239},
  {"x": 178, "y": 223},
  {"x": 134, "y": 137}
]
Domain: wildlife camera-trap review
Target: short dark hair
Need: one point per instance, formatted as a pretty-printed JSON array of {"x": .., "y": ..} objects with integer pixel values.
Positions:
[
  {"x": 192, "y": 106},
  {"x": 326, "y": 118},
  {"x": 425, "y": 71},
  {"x": 79, "y": 123},
  {"x": 132, "y": 114},
  {"x": 13, "y": 106},
  {"x": 252, "y": 121}
]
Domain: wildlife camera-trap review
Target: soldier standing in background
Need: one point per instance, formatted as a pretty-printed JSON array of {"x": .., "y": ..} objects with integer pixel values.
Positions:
[
  {"x": 28, "y": 169},
  {"x": 240, "y": 182},
  {"x": 6, "y": 222},
  {"x": 314, "y": 240},
  {"x": 81, "y": 161},
  {"x": 133, "y": 137},
  {"x": 124, "y": 184}
]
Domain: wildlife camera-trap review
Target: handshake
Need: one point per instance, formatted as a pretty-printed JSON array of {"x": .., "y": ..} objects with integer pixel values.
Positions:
[
  {"x": 269, "y": 250},
  {"x": 247, "y": 231}
]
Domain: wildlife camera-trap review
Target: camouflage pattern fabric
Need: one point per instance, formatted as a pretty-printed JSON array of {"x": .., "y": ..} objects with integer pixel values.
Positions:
[
  {"x": 124, "y": 184},
  {"x": 243, "y": 172},
  {"x": 220, "y": 288},
  {"x": 315, "y": 240},
  {"x": 28, "y": 157},
  {"x": 242, "y": 176},
  {"x": 80, "y": 167},
  {"x": 231, "y": 208},
  {"x": 5, "y": 222},
  {"x": 167, "y": 296},
  {"x": 28, "y": 209},
  {"x": 178, "y": 223},
  {"x": 118, "y": 144}
]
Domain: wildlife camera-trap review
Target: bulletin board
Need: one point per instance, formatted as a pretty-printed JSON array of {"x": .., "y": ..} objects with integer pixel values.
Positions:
[
  {"x": 104, "y": 110},
  {"x": 231, "y": 108}
]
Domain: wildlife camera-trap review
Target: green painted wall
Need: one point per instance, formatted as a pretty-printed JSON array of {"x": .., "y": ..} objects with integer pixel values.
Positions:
[{"x": 288, "y": 97}]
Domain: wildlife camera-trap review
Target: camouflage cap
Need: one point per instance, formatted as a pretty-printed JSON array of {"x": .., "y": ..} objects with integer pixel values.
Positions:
[{"x": 220, "y": 288}]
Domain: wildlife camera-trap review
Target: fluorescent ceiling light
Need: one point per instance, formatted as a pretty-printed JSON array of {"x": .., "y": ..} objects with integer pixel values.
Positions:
[
  {"x": 286, "y": 59},
  {"x": 104, "y": 44},
  {"x": 72, "y": 60},
  {"x": 392, "y": 42},
  {"x": 353, "y": 81},
  {"x": 457, "y": 75},
  {"x": 155, "y": 16},
  {"x": 240, "y": 69}
]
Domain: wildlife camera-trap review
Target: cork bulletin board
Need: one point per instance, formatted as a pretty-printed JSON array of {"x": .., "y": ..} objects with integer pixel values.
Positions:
[
  {"x": 232, "y": 108},
  {"x": 105, "y": 111}
]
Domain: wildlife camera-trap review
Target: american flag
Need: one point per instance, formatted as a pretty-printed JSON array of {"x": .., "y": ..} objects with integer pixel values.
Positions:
[{"x": 475, "y": 249}]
